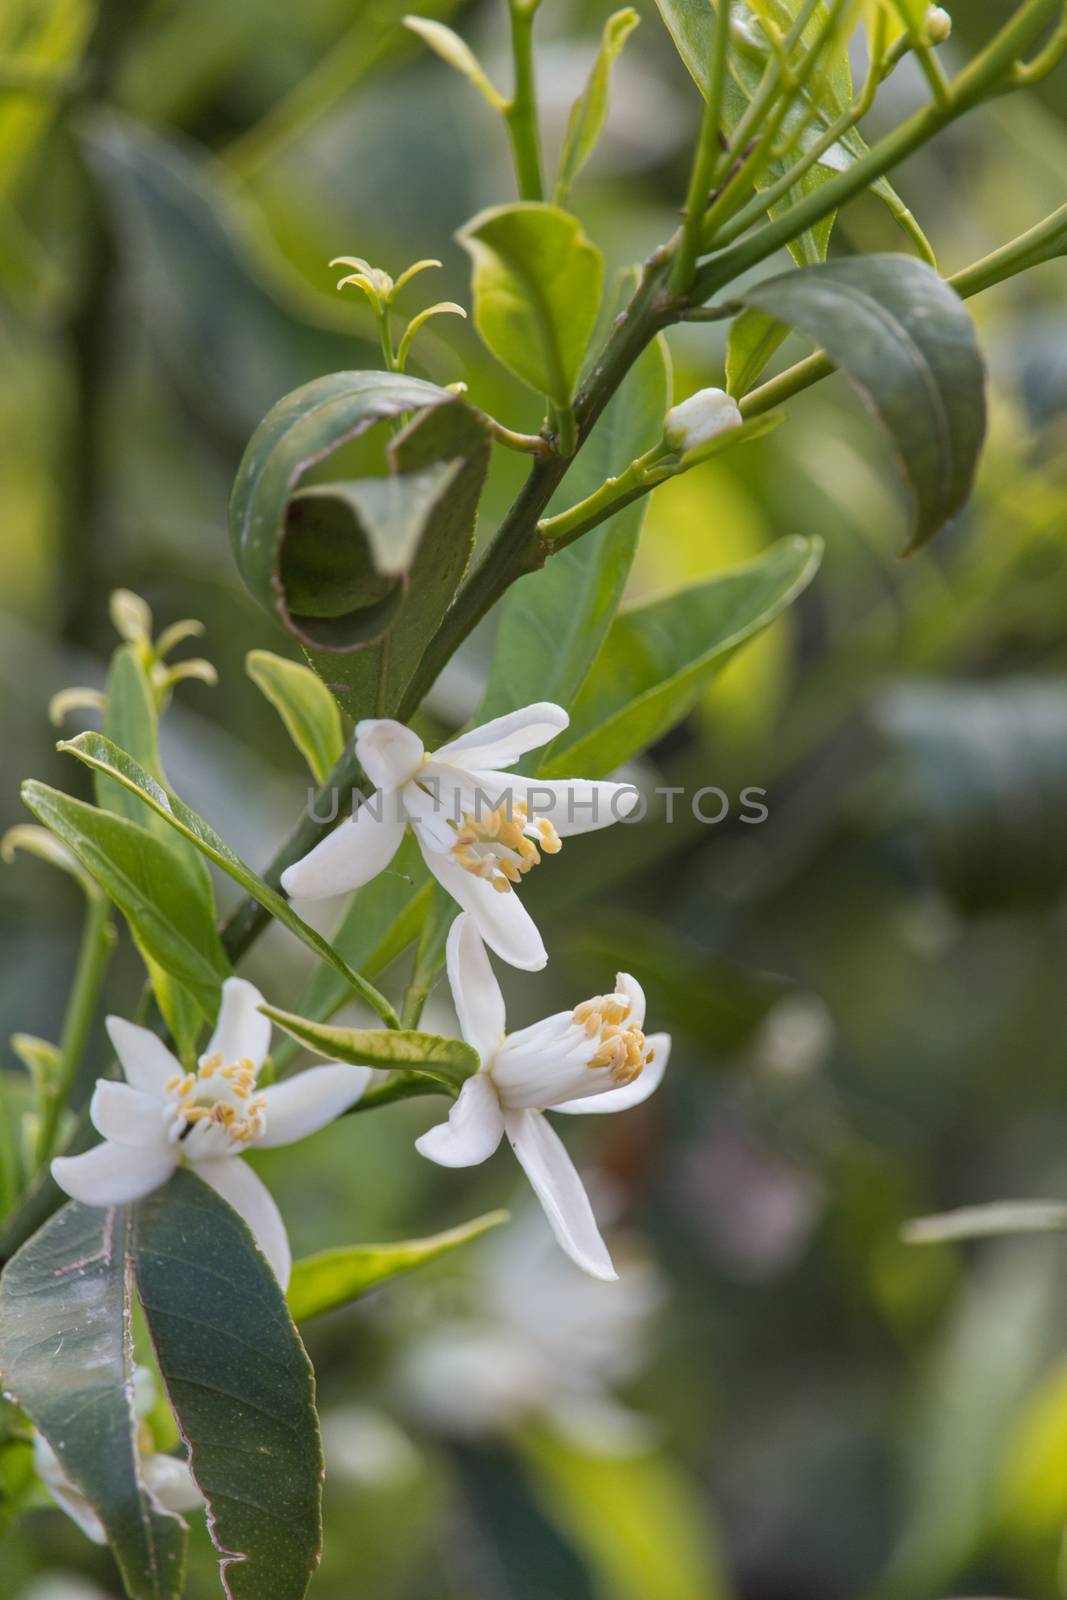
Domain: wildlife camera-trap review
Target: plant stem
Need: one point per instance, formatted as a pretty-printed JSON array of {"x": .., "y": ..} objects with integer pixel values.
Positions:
[
  {"x": 521, "y": 111},
  {"x": 707, "y": 158},
  {"x": 98, "y": 941},
  {"x": 981, "y": 79}
]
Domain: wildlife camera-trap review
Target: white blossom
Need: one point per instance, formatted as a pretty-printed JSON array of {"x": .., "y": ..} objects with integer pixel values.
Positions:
[
  {"x": 595, "y": 1058},
  {"x": 479, "y": 832},
  {"x": 695, "y": 421},
  {"x": 163, "y": 1116}
]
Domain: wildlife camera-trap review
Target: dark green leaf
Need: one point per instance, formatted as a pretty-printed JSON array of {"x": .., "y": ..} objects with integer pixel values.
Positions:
[
  {"x": 149, "y": 883},
  {"x": 66, "y": 1357},
  {"x": 553, "y": 622},
  {"x": 360, "y": 572},
  {"x": 305, "y": 705},
  {"x": 750, "y": 344},
  {"x": 102, "y": 756},
  {"x": 536, "y": 287},
  {"x": 659, "y": 657},
  {"x": 423, "y": 1063},
  {"x": 337, "y": 1277},
  {"x": 908, "y": 345},
  {"x": 240, "y": 1383}
]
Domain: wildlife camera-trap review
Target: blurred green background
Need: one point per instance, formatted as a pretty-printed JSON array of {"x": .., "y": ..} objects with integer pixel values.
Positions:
[{"x": 781, "y": 1402}]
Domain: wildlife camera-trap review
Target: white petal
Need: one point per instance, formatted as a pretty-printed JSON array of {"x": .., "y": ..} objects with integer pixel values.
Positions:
[
  {"x": 249, "y": 1196},
  {"x": 475, "y": 991},
  {"x": 557, "y": 1185},
  {"x": 474, "y": 1128},
  {"x": 627, "y": 984},
  {"x": 111, "y": 1174},
  {"x": 548, "y": 1062},
  {"x": 502, "y": 919},
  {"x": 501, "y": 742},
  {"x": 389, "y": 753},
  {"x": 631, "y": 1094},
  {"x": 171, "y": 1483},
  {"x": 572, "y": 805},
  {"x": 306, "y": 1103},
  {"x": 241, "y": 1031},
  {"x": 66, "y": 1496},
  {"x": 126, "y": 1116},
  {"x": 354, "y": 853},
  {"x": 144, "y": 1058}
]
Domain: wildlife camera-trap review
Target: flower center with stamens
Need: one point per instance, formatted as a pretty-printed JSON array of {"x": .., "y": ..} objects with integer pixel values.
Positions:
[
  {"x": 504, "y": 844},
  {"x": 216, "y": 1105},
  {"x": 621, "y": 1046}
]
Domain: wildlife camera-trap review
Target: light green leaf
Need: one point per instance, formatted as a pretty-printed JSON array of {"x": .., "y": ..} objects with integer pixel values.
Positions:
[
  {"x": 635, "y": 1518},
  {"x": 43, "y": 844},
  {"x": 907, "y": 344},
  {"x": 536, "y": 287},
  {"x": 446, "y": 43},
  {"x": 148, "y": 882},
  {"x": 240, "y": 1384},
  {"x": 306, "y": 707},
  {"x": 659, "y": 657},
  {"x": 991, "y": 1221},
  {"x": 589, "y": 112},
  {"x": 553, "y": 622},
  {"x": 66, "y": 1358},
  {"x": 360, "y": 573},
  {"x": 750, "y": 344},
  {"x": 335, "y": 1278},
  {"x": 102, "y": 756},
  {"x": 419, "y": 1063}
]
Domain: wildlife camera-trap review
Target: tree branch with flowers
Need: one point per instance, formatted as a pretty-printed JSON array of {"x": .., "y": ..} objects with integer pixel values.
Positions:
[{"x": 378, "y": 575}]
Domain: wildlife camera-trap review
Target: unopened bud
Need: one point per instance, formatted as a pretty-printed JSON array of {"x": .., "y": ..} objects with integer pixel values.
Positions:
[
  {"x": 938, "y": 24},
  {"x": 704, "y": 415}
]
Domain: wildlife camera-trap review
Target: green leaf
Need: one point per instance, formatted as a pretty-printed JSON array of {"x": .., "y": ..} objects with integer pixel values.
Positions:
[
  {"x": 148, "y": 882},
  {"x": 908, "y": 346},
  {"x": 635, "y": 1518},
  {"x": 419, "y": 1063},
  {"x": 988, "y": 1222},
  {"x": 240, "y": 1384},
  {"x": 659, "y": 657},
  {"x": 750, "y": 344},
  {"x": 553, "y": 622},
  {"x": 589, "y": 112},
  {"x": 101, "y": 755},
  {"x": 335, "y": 1278},
  {"x": 536, "y": 287},
  {"x": 446, "y": 43},
  {"x": 305, "y": 705},
  {"x": 131, "y": 721},
  {"x": 690, "y": 22},
  {"x": 360, "y": 572},
  {"x": 67, "y": 1359},
  {"x": 45, "y": 846}
]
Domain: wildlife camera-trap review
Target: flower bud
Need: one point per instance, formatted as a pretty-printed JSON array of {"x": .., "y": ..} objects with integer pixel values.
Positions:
[
  {"x": 938, "y": 24},
  {"x": 700, "y": 418},
  {"x": 130, "y": 617}
]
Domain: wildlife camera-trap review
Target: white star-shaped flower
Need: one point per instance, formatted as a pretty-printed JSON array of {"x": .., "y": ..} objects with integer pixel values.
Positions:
[
  {"x": 163, "y": 1116},
  {"x": 479, "y": 832},
  {"x": 592, "y": 1059}
]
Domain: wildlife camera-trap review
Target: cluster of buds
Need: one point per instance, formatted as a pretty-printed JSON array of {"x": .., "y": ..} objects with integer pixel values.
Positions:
[{"x": 131, "y": 617}]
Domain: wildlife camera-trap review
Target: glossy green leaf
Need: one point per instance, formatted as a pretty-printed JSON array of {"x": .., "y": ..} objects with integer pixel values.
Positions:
[
  {"x": 306, "y": 707},
  {"x": 553, "y": 622},
  {"x": 751, "y": 342},
  {"x": 536, "y": 285},
  {"x": 419, "y": 1063},
  {"x": 360, "y": 572},
  {"x": 66, "y": 1357},
  {"x": 240, "y": 1384},
  {"x": 634, "y": 1516},
  {"x": 589, "y": 112},
  {"x": 908, "y": 346},
  {"x": 335, "y": 1278},
  {"x": 659, "y": 657},
  {"x": 148, "y": 882},
  {"x": 102, "y": 756}
]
